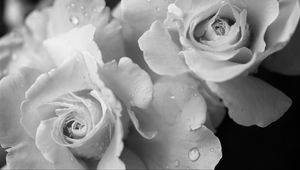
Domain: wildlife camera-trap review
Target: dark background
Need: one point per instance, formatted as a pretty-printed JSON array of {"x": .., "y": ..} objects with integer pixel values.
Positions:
[{"x": 253, "y": 148}]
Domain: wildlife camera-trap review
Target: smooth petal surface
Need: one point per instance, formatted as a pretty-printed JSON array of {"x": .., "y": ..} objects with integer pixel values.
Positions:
[
  {"x": 216, "y": 71},
  {"x": 59, "y": 155},
  {"x": 251, "y": 101},
  {"x": 140, "y": 14},
  {"x": 130, "y": 83},
  {"x": 111, "y": 158},
  {"x": 178, "y": 112},
  {"x": 71, "y": 76},
  {"x": 160, "y": 52},
  {"x": 65, "y": 45},
  {"x": 23, "y": 153}
]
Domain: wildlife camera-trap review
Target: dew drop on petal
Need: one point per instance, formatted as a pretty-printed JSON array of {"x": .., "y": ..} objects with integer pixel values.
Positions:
[
  {"x": 157, "y": 9},
  {"x": 212, "y": 149},
  {"x": 74, "y": 20},
  {"x": 194, "y": 154},
  {"x": 172, "y": 97},
  {"x": 176, "y": 163}
]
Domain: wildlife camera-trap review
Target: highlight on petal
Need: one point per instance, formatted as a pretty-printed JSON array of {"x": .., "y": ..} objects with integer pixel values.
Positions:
[
  {"x": 22, "y": 152},
  {"x": 287, "y": 60},
  {"x": 251, "y": 101},
  {"x": 140, "y": 14},
  {"x": 281, "y": 30},
  {"x": 65, "y": 45},
  {"x": 162, "y": 56},
  {"x": 131, "y": 84},
  {"x": 178, "y": 111}
]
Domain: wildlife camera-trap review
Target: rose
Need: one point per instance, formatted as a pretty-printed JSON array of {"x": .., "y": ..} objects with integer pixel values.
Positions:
[
  {"x": 216, "y": 40},
  {"x": 68, "y": 111},
  {"x": 54, "y": 20},
  {"x": 170, "y": 48}
]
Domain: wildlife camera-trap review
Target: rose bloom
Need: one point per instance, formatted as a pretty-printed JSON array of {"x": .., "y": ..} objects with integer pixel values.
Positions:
[
  {"x": 66, "y": 108},
  {"x": 218, "y": 42}
]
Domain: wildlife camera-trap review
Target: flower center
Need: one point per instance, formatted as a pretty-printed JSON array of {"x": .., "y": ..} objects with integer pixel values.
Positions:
[
  {"x": 221, "y": 26},
  {"x": 74, "y": 129}
]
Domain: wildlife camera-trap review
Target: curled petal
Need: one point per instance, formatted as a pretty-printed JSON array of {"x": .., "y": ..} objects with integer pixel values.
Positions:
[
  {"x": 163, "y": 55},
  {"x": 60, "y": 156},
  {"x": 111, "y": 158},
  {"x": 130, "y": 83},
  {"x": 23, "y": 153},
  {"x": 281, "y": 30},
  {"x": 285, "y": 61},
  {"x": 251, "y": 101},
  {"x": 206, "y": 68}
]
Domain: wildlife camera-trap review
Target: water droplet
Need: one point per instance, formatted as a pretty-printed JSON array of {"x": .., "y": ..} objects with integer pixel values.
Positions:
[
  {"x": 176, "y": 163},
  {"x": 195, "y": 94},
  {"x": 194, "y": 154},
  {"x": 72, "y": 5},
  {"x": 212, "y": 149},
  {"x": 86, "y": 14},
  {"x": 74, "y": 20},
  {"x": 82, "y": 8},
  {"x": 157, "y": 9},
  {"x": 172, "y": 97},
  {"x": 98, "y": 9}
]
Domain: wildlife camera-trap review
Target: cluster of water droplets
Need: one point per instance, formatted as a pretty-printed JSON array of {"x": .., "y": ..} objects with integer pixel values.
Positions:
[{"x": 81, "y": 12}]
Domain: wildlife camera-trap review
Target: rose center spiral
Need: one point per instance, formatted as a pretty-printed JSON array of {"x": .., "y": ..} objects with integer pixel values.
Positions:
[
  {"x": 74, "y": 129},
  {"x": 220, "y": 26}
]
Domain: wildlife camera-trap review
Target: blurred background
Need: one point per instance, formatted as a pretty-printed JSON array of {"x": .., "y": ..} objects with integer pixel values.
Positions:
[{"x": 249, "y": 148}]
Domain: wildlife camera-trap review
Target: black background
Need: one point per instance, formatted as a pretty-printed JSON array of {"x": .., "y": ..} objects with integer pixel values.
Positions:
[{"x": 254, "y": 148}]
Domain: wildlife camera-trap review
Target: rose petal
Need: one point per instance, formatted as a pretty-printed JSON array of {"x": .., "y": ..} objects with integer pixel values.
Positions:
[
  {"x": 178, "y": 112},
  {"x": 281, "y": 29},
  {"x": 261, "y": 14},
  {"x": 251, "y": 101},
  {"x": 37, "y": 22},
  {"x": 71, "y": 76},
  {"x": 111, "y": 158},
  {"x": 141, "y": 14},
  {"x": 130, "y": 83},
  {"x": 287, "y": 60},
  {"x": 65, "y": 15},
  {"x": 60, "y": 156},
  {"x": 23, "y": 153},
  {"x": 206, "y": 68},
  {"x": 109, "y": 39},
  {"x": 65, "y": 45},
  {"x": 161, "y": 56},
  {"x": 131, "y": 160}
]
